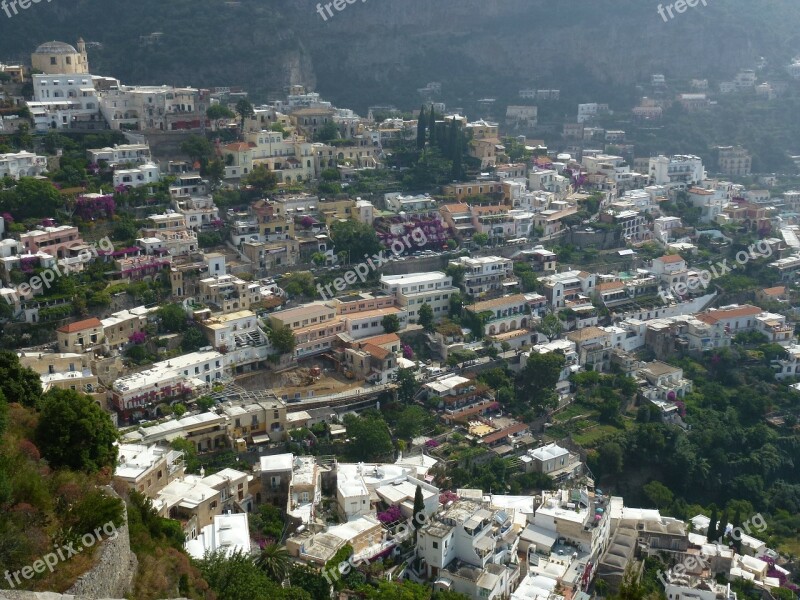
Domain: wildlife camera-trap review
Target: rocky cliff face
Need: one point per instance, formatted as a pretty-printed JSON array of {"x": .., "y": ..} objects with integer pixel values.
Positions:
[{"x": 382, "y": 50}]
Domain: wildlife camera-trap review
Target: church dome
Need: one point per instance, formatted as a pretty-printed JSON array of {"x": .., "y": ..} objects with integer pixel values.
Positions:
[{"x": 55, "y": 48}]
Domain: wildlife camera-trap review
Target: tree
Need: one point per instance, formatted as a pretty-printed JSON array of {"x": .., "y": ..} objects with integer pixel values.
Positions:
[
  {"x": 659, "y": 494},
  {"x": 421, "y": 129},
  {"x": 299, "y": 283},
  {"x": 419, "y": 510},
  {"x": 358, "y": 240},
  {"x": 432, "y": 127},
  {"x": 457, "y": 158},
  {"x": 425, "y": 317},
  {"x": 455, "y": 305},
  {"x": 245, "y": 110},
  {"x": 328, "y": 132},
  {"x": 481, "y": 239},
  {"x": 610, "y": 459},
  {"x": 261, "y": 179},
  {"x": 318, "y": 258},
  {"x": 406, "y": 385},
  {"x": 193, "y": 340},
  {"x": 551, "y": 326},
  {"x": 538, "y": 379},
  {"x": 172, "y": 318},
  {"x": 267, "y": 522},
  {"x": 369, "y": 437},
  {"x": 283, "y": 339},
  {"x": 18, "y": 383},
  {"x": 197, "y": 148},
  {"x": 309, "y": 580},
  {"x": 390, "y": 323},
  {"x": 75, "y": 432},
  {"x": 410, "y": 422},
  {"x": 456, "y": 272},
  {"x": 274, "y": 561},
  {"x": 218, "y": 112}
]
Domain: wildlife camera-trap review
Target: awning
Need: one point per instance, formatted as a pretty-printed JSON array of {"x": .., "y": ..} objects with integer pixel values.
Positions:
[
  {"x": 261, "y": 439},
  {"x": 544, "y": 541}
]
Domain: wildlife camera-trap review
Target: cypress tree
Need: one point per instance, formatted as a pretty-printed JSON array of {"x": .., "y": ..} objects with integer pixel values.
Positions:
[
  {"x": 419, "y": 510},
  {"x": 456, "y": 172},
  {"x": 711, "y": 534},
  {"x": 432, "y": 126}
]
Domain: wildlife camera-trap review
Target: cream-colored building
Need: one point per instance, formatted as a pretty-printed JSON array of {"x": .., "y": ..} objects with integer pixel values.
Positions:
[
  {"x": 59, "y": 58},
  {"x": 120, "y": 326},
  {"x": 315, "y": 326},
  {"x": 229, "y": 293}
]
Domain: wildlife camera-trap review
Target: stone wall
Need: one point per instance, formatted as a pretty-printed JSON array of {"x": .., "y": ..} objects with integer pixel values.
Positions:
[
  {"x": 111, "y": 577},
  {"x": 115, "y": 566}
]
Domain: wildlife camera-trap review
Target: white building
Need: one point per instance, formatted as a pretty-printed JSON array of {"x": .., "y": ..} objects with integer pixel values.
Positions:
[
  {"x": 396, "y": 202},
  {"x": 167, "y": 380},
  {"x": 415, "y": 289},
  {"x": 685, "y": 170},
  {"x": 62, "y": 101},
  {"x": 121, "y": 154},
  {"x": 163, "y": 108},
  {"x": 145, "y": 174},
  {"x": 486, "y": 273},
  {"x": 228, "y": 534},
  {"x": 22, "y": 164},
  {"x": 468, "y": 549}
]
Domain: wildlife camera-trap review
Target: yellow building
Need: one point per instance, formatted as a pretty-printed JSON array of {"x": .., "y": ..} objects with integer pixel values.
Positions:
[{"x": 58, "y": 58}]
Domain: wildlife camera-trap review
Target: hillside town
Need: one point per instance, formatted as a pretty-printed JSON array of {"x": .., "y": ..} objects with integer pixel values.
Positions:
[{"x": 403, "y": 349}]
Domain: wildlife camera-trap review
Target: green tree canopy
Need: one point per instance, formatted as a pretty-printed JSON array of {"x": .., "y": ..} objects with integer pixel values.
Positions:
[
  {"x": 197, "y": 148},
  {"x": 390, "y": 323},
  {"x": 18, "y": 383},
  {"x": 369, "y": 437},
  {"x": 406, "y": 385},
  {"x": 425, "y": 317},
  {"x": 537, "y": 380},
  {"x": 75, "y": 432},
  {"x": 261, "y": 179},
  {"x": 172, "y": 317},
  {"x": 357, "y": 239},
  {"x": 283, "y": 339}
]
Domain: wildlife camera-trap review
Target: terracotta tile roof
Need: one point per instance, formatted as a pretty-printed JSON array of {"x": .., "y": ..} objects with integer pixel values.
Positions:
[
  {"x": 715, "y": 316},
  {"x": 587, "y": 333},
  {"x": 239, "y": 146},
  {"x": 775, "y": 291},
  {"x": 380, "y": 340},
  {"x": 671, "y": 259},
  {"x": 499, "y": 435},
  {"x": 80, "y": 325},
  {"x": 376, "y": 351},
  {"x": 490, "y": 304},
  {"x": 454, "y": 208},
  {"x": 611, "y": 285}
]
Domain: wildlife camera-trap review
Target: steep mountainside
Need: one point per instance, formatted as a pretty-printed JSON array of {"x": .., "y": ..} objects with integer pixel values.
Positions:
[{"x": 379, "y": 51}]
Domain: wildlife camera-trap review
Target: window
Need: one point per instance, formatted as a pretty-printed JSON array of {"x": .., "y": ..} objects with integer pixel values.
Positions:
[{"x": 435, "y": 545}]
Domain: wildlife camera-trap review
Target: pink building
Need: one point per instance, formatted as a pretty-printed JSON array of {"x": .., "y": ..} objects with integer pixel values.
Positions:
[{"x": 56, "y": 241}]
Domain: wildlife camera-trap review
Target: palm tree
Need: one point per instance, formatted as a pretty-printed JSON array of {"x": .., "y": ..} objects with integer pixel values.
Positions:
[{"x": 274, "y": 561}]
